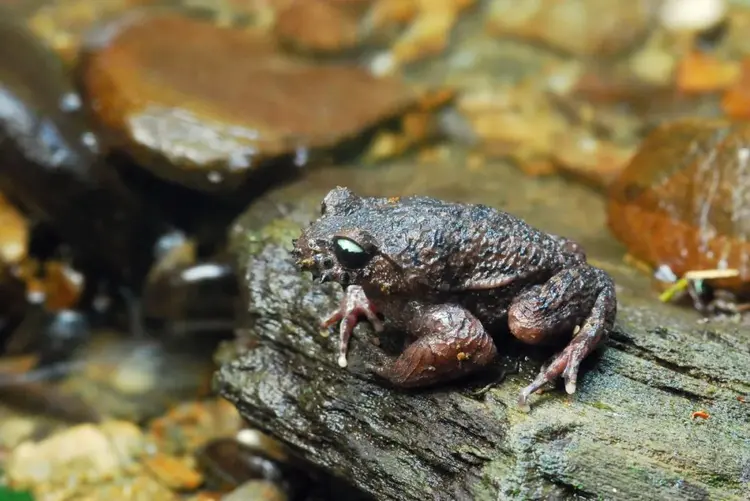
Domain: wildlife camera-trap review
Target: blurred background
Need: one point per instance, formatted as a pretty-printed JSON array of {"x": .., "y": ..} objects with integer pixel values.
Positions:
[{"x": 134, "y": 134}]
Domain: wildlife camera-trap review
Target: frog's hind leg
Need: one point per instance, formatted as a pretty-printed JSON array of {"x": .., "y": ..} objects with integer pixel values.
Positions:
[
  {"x": 451, "y": 343},
  {"x": 578, "y": 301}
]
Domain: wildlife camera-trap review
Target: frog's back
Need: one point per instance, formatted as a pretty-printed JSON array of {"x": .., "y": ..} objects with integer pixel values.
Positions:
[{"x": 452, "y": 242}]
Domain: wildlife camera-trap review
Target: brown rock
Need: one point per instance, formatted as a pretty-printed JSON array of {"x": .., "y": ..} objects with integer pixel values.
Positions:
[
  {"x": 700, "y": 72},
  {"x": 683, "y": 200},
  {"x": 202, "y": 105},
  {"x": 430, "y": 23},
  {"x": 173, "y": 472},
  {"x": 582, "y": 27},
  {"x": 192, "y": 424},
  {"x": 584, "y": 157}
]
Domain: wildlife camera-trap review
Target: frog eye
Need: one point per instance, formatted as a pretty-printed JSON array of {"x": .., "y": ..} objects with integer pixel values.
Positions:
[{"x": 350, "y": 254}]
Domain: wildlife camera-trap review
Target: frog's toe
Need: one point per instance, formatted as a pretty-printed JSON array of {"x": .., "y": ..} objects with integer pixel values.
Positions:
[
  {"x": 523, "y": 399},
  {"x": 549, "y": 372},
  {"x": 523, "y": 403},
  {"x": 570, "y": 387},
  {"x": 342, "y": 361},
  {"x": 570, "y": 375}
]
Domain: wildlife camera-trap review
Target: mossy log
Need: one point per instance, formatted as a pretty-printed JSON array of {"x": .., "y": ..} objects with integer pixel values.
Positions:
[{"x": 628, "y": 433}]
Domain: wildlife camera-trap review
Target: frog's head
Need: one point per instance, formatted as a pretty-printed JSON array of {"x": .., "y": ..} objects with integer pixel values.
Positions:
[{"x": 341, "y": 246}]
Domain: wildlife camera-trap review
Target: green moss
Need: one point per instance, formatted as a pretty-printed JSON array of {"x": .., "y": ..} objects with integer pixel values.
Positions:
[
  {"x": 601, "y": 405},
  {"x": 278, "y": 231},
  {"x": 720, "y": 481}
]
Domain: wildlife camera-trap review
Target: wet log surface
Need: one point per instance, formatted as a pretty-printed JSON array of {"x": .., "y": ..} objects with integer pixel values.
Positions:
[{"x": 628, "y": 433}]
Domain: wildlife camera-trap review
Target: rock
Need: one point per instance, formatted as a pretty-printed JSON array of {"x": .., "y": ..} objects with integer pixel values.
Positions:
[
  {"x": 699, "y": 72},
  {"x": 53, "y": 336},
  {"x": 682, "y": 202},
  {"x": 191, "y": 425},
  {"x": 256, "y": 490},
  {"x": 75, "y": 456},
  {"x": 189, "y": 298},
  {"x": 228, "y": 462},
  {"x": 580, "y": 154},
  {"x": 53, "y": 163},
  {"x": 545, "y": 133},
  {"x": 581, "y": 27},
  {"x": 653, "y": 65},
  {"x": 515, "y": 120},
  {"x": 45, "y": 400},
  {"x": 428, "y": 27},
  {"x": 626, "y": 434},
  {"x": 137, "y": 488},
  {"x": 173, "y": 472},
  {"x": 204, "y": 106}
]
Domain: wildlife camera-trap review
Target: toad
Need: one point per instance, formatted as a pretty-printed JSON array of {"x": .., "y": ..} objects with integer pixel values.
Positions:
[{"x": 446, "y": 274}]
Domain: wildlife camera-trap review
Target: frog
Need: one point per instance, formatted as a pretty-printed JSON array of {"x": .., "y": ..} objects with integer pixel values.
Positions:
[{"x": 448, "y": 275}]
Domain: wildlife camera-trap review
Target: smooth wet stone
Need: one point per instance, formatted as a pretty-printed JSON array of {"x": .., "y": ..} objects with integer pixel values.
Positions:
[
  {"x": 185, "y": 296},
  {"x": 204, "y": 106},
  {"x": 53, "y": 165},
  {"x": 227, "y": 463},
  {"x": 683, "y": 199}
]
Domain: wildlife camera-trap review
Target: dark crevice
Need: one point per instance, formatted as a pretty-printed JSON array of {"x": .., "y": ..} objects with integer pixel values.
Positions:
[
  {"x": 681, "y": 392},
  {"x": 626, "y": 345},
  {"x": 567, "y": 490}
]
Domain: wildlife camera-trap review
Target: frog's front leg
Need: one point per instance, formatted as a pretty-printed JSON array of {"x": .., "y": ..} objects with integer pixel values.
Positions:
[
  {"x": 450, "y": 343},
  {"x": 354, "y": 305},
  {"x": 579, "y": 301}
]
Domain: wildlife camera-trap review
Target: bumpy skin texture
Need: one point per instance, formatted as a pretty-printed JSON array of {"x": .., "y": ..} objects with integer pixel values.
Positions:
[{"x": 446, "y": 273}]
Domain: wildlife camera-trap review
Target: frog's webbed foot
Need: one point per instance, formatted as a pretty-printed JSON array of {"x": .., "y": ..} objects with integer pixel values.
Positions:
[
  {"x": 450, "y": 343},
  {"x": 354, "y": 305},
  {"x": 580, "y": 300}
]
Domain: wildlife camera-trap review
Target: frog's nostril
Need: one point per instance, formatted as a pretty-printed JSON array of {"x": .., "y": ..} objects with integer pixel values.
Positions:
[{"x": 327, "y": 263}]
